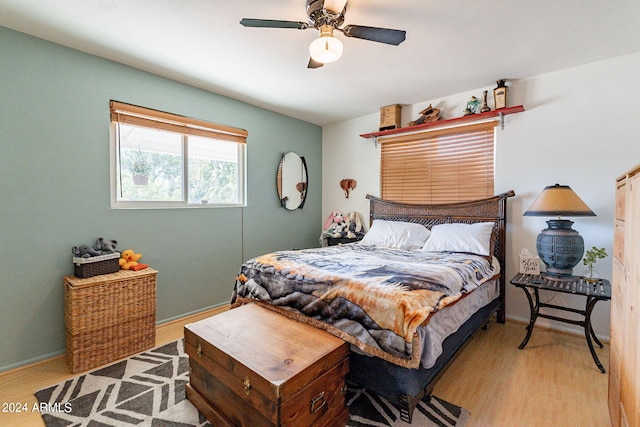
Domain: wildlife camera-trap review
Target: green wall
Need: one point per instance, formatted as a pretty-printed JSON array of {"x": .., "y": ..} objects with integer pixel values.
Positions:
[{"x": 54, "y": 191}]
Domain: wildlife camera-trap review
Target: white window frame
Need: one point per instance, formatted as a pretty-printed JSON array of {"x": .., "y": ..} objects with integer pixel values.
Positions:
[{"x": 234, "y": 134}]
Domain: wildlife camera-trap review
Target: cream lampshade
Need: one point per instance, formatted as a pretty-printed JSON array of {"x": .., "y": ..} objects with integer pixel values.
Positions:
[{"x": 559, "y": 246}]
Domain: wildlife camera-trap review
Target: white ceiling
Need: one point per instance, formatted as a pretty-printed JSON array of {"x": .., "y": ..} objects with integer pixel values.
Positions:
[{"x": 452, "y": 46}]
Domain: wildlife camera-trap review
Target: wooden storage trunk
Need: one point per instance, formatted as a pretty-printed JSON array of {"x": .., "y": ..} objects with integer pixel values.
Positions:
[
  {"x": 108, "y": 317},
  {"x": 252, "y": 367}
]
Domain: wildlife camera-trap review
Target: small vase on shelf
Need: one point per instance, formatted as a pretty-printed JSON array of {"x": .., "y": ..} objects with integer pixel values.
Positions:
[{"x": 485, "y": 108}]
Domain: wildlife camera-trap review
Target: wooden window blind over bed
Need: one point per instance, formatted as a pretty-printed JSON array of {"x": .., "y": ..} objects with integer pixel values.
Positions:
[{"x": 439, "y": 166}]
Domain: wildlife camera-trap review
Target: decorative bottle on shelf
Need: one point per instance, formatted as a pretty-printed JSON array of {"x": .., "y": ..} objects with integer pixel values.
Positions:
[
  {"x": 485, "y": 107},
  {"x": 500, "y": 94}
]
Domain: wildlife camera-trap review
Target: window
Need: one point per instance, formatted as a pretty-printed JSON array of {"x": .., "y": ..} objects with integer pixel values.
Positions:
[
  {"x": 438, "y": 166},
  {"x": 165, "y": 160}
]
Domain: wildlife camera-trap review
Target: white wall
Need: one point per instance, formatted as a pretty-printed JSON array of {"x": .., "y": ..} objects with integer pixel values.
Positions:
[{"x": 581, "y": 128}]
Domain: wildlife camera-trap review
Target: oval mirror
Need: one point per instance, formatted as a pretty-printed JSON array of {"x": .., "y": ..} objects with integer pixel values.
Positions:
[{"x": 292, "y": 181}]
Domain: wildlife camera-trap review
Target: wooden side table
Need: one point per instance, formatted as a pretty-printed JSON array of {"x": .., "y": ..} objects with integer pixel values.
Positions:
[{"x": 597, "y": 290}]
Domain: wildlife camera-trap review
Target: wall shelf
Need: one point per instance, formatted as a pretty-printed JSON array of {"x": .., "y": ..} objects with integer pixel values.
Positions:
[{"x": 470, "y": 118}]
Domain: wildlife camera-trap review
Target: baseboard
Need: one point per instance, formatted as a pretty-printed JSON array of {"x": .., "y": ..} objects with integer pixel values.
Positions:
[
  {"x": 24, "y": 364},
  {"x": 29, "y": 363},
  {"x": 222, "y": 306},
  {"x": 182, "y": 317}
]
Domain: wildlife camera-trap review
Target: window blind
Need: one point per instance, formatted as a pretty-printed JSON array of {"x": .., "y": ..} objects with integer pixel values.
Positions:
[
  {"x": 439, "y": 166},
  {"x": 140, "y": 116}
]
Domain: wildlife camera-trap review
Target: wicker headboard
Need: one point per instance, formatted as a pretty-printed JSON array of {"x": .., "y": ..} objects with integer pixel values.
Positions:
[{"x": 492, "y": 209}]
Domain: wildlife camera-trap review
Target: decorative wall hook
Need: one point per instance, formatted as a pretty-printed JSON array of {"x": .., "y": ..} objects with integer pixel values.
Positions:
[
  {"x": 347, "y": 185},
  {"x": 301, "y": 187}
]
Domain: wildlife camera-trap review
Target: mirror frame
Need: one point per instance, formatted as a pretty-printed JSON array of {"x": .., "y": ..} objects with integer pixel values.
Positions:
[{"x": 305, "y": 177}]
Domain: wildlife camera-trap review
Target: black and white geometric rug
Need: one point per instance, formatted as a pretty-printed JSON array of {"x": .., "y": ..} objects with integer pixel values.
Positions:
[
  {"x": 370, "y": 410},
  {"x": 148, "y": 390}
]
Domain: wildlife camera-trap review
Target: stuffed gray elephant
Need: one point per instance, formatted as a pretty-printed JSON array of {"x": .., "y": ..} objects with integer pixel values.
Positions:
[
  {"x": 106, "y": 246},
  {"x": 84, "y": 251}
]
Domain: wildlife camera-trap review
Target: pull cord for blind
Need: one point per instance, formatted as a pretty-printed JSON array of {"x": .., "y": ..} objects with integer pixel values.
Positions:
[{"x": 119, "y": 155}]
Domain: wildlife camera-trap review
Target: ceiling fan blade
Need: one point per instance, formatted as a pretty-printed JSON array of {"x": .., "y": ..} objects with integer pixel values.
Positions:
[
  {"x": 272, "y": 23},
  {"x": 314, "y": 64},
  {"x": 375, "y": 34}
]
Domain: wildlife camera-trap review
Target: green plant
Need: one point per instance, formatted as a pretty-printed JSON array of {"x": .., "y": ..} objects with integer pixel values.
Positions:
[
  {"x": 140, "y": 165},
  {"x": 590, "y": 258}
]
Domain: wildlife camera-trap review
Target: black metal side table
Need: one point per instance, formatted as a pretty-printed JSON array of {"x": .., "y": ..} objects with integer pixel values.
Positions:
[{"x": 597, "y": 290}]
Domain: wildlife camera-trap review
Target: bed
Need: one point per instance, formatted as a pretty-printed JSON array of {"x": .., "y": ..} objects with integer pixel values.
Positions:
[{"x": 407, "y": 297}]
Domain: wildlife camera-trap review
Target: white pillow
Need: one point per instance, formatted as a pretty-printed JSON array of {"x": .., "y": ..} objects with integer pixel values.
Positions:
[
  {"x": 396, "y": 234},
  {"x": 473, "y": 238}
]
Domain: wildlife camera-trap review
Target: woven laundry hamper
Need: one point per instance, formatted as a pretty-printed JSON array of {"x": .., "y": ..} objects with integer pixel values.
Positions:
[{"x": 109, "y": 317}]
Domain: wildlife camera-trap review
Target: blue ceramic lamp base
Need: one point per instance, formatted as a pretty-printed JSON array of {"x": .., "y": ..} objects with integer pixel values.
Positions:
[{"x": 560, "y": 248}]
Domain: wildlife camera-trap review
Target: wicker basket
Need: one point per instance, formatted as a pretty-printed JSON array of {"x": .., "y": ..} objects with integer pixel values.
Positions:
[
  {"x": 109, "y": 317},
  {"x": 94, "y": 266}
]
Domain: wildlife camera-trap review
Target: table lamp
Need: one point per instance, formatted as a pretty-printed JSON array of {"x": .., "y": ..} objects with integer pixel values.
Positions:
[{"x": 559, "y": 246}]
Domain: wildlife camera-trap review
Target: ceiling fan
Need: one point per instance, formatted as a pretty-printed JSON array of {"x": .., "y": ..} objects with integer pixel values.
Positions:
[{"x": 327, "y": 16}]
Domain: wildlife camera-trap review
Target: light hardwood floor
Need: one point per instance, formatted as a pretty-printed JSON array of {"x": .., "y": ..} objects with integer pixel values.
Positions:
[
  {"x": 552, "y": 382},
  {"x": 17, "y": 386}
]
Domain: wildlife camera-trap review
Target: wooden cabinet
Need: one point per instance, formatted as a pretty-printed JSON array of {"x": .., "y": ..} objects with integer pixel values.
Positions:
[{"x": 624, "y": 361}]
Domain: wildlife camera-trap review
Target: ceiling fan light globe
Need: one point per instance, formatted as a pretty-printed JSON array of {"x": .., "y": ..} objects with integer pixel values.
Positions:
[{"x": 326, "y": 49}]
